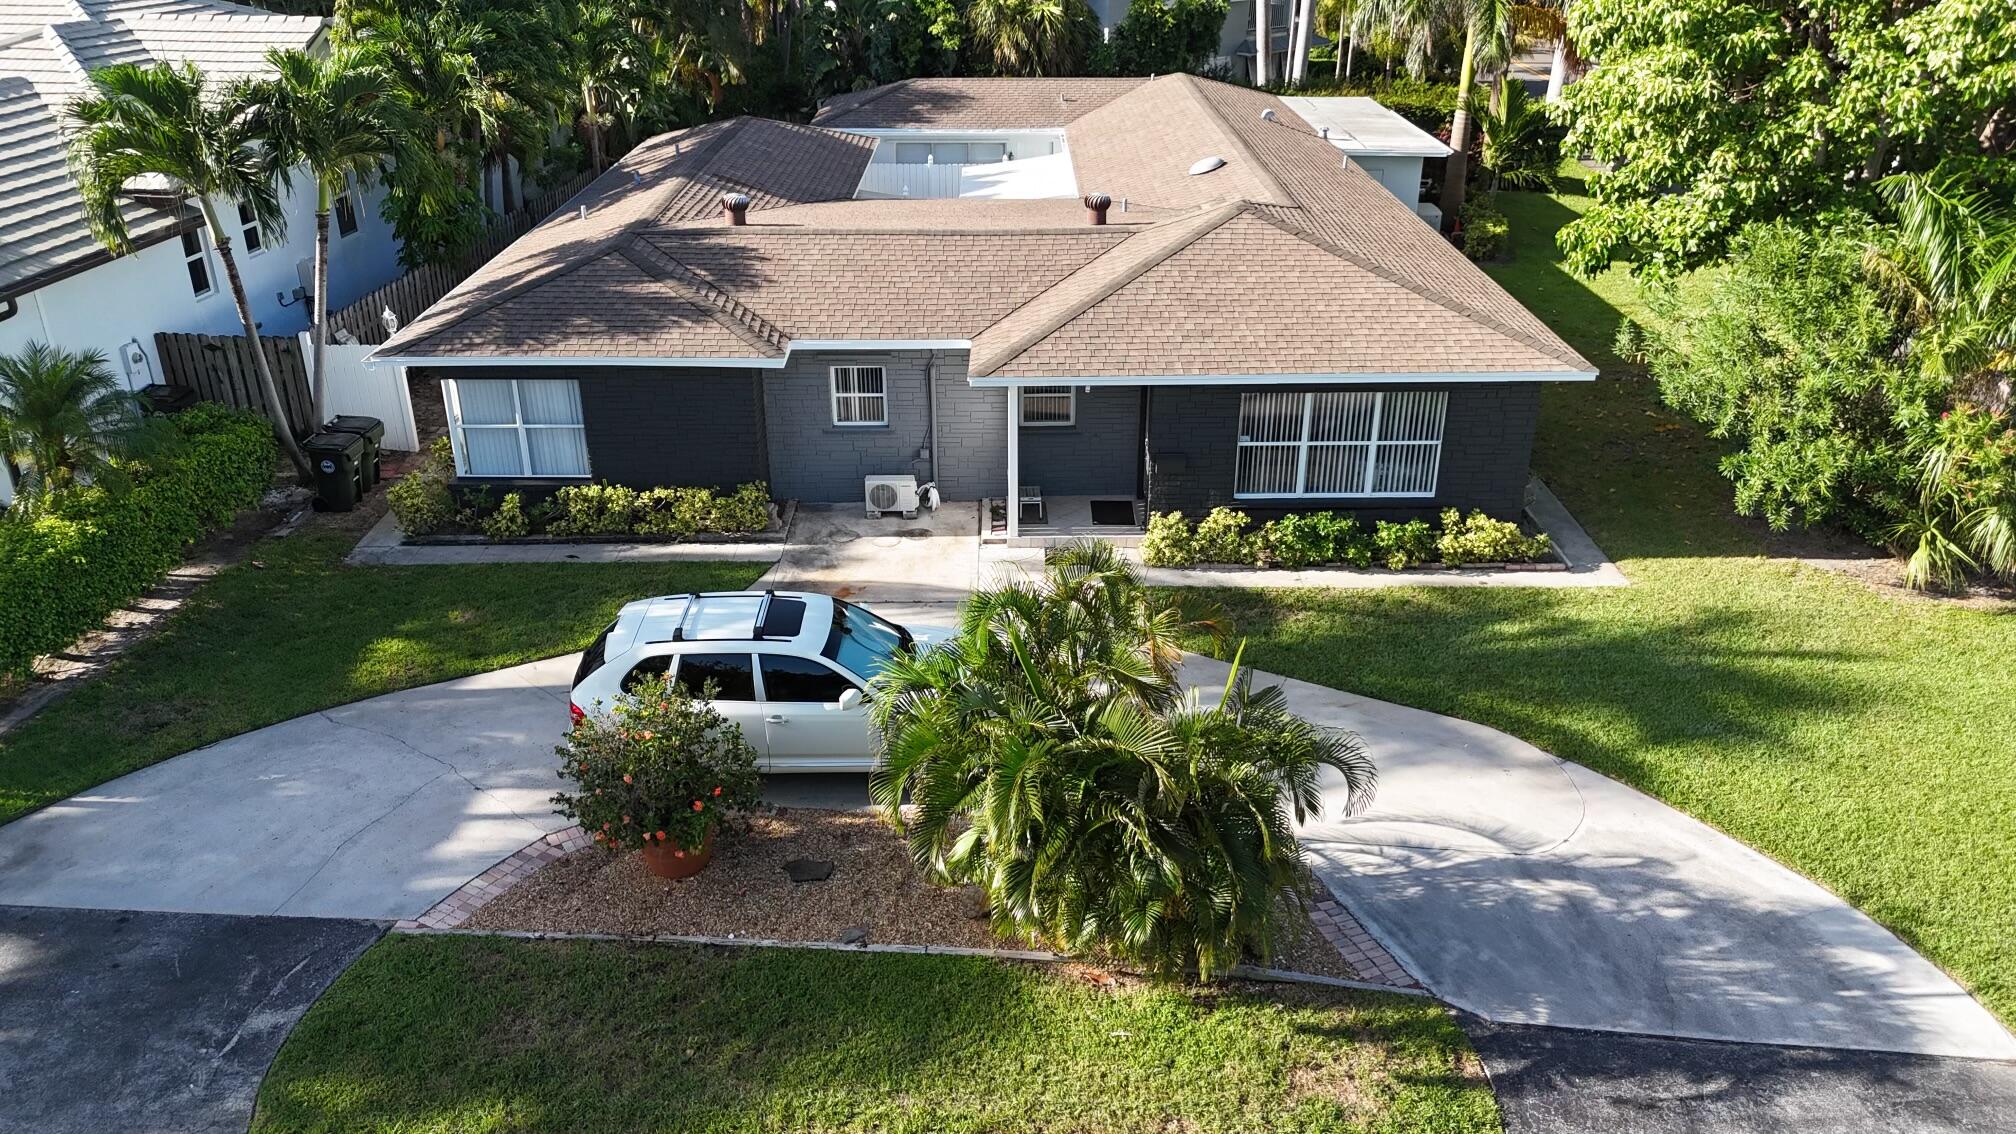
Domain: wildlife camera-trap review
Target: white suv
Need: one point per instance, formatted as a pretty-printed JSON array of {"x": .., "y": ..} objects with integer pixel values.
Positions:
[{"x": 787, "y": 666}]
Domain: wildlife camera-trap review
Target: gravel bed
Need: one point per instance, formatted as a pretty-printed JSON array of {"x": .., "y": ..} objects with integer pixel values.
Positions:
[{"x": 745, "y": 892}]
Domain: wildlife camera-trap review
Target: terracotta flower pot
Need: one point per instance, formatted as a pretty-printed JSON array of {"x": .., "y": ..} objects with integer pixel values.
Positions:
[{"x": 664, "y": 860}]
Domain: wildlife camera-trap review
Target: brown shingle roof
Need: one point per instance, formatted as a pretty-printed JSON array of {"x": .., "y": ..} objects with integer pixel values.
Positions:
[{"x": 1287, "y": 259}]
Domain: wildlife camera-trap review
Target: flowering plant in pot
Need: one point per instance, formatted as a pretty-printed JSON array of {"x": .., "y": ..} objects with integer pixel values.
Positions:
[{"x": 655, "y": 772}]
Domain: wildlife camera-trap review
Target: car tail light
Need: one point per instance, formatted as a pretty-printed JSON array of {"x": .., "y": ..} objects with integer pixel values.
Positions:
[{"x": 574, "y": 713}]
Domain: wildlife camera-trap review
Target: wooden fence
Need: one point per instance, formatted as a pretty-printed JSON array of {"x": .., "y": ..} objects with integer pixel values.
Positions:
[
  {"x": 421, "y": 288},
  {"x": 220, "y": 368}
]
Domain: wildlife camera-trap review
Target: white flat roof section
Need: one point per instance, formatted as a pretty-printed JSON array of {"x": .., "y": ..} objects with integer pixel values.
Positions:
[{"x": 1359, "y": 125}]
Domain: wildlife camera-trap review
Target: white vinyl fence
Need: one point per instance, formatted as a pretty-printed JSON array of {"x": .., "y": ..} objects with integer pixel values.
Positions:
[{"x": 378, "y": 392}]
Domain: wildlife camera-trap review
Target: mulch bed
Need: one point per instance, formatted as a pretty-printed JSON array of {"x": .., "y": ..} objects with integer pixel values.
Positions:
[{"x": 874, "y": 894}]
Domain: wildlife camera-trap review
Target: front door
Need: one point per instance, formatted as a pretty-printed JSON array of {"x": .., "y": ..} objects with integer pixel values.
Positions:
[{"x": 803, "y": 718}]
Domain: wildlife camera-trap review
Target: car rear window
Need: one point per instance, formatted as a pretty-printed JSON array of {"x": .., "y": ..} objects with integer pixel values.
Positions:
[
  {"x": 801, "y": 680},
  {"x": 731, "y": 676},
  {"x": 650, "y": 671},
  {"x": 593, "y": 657}
]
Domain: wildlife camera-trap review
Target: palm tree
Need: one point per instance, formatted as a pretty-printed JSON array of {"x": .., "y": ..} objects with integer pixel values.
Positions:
[
  {"x": 1028, "y": 37},
  {"x": 336, "y": 115},
  {"x": 1517, "y": 149},
  {"x": 64, "y": 416},
  {"x": 164, "y": 121},
  {"x": 600, "y": 51},
  {"x": 1050, "y": 756}
]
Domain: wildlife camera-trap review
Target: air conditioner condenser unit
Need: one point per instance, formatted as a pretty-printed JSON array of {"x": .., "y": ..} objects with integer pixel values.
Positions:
[{"x": 892, "y": 494}]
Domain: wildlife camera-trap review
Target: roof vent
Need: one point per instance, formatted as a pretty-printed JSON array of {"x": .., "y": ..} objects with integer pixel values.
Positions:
[
  {"x": 584, "y": 212},
  {"x": 1206, "y": 164},
  {"x": 736, "y": 206},
  {"x": 1097, "y": 204},
  {"x": 1267, "y": 115}
]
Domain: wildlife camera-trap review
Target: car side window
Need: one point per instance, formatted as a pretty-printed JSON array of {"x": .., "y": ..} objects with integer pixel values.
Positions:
[
  {"x": 650, "y": 671},
  {"x": 733, "y": 678},
  {"x": 801, "y": 680}
]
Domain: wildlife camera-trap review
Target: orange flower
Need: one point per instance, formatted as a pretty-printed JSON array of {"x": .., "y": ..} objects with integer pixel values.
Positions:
[
  {"x": 661, "y": 836},
  {"x": 677, "y": 853},
  {"x": 697, "y": 805},
  {"x": 717, "y": 791},
  {"x": 627, "y": 779},
  {"x": 647, "y": 735},
  {"x": 626, "y": 820},
  {"x": 584, "y": 765}
]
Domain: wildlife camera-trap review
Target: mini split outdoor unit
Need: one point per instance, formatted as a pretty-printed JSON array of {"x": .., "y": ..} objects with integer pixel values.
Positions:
[{"x": 897, "y": 494}]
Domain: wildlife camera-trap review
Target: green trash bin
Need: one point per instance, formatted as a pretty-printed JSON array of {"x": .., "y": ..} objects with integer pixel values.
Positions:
[
  {"x": 338, "y": 461},
  {"x": 372, "y": 431}
]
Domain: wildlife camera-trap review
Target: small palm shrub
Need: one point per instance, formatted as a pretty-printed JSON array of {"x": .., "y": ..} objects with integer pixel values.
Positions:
[
  {"x": 1169, "y": 541},
  {"x": 421, "y": 499},
  {"x": 1051, "y": 758},
  {"x": 1401, "y": 546},
  {"x": 1964, "y": 520},
  {"x": 1478, "y": 538},
  {"x": 1221, "y": 537},
  {"x": 657, "y": 766}
]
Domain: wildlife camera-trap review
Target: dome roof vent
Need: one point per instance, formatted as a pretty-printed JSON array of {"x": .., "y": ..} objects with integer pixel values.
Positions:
[{"x": 1205, "y": 165}]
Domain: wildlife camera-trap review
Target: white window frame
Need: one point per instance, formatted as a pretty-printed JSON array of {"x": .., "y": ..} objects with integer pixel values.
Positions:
[
  {"x": 202, "y": 254},
  {"x": 856, "y": 397},
  {"x": 346, "y": 199},
  {"x": 1068, "y": 393},
  {"x": 452, "y": 392},
  {"x": 1373, "y": 445},
  {"x": 249, "y": 231}
]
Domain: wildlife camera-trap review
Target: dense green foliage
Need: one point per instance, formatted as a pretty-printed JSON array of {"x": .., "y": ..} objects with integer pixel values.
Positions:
[
  {"x": 295, "y": 630},
  {"x": 1487, "y": 232},
  {"x": 1477, "y": 538},
  {"x": 438, "y": 1034},
  {"x": 656, "y": 767},
  {"x": 1713, "y": 115},
  {"x": 1323, "y": 539},
  {"x": 64, "y": 417},
  {"x": 87, "y": 551},
  {"x": 1157, "y": 39},
  {"x": 1049, "y": 755},
  {"x": 422, "y": 499},
  {"x": 1790, "y": 353},
  {"x": 1520, "y": 146}
]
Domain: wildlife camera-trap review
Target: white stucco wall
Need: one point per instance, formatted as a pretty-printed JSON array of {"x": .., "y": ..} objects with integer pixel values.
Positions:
[
  {"x": 132, "y": 297},
  {"x": 1400, "y": 175}
]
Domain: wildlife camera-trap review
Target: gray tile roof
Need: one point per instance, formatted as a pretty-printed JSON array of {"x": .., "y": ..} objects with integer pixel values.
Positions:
[
  {"x": 46, "y": 49},
  {"x": 1286, "y": 259}
]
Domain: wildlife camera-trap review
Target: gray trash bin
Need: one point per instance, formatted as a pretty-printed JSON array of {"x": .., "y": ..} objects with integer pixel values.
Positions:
[
  {"x": 338, "y": 460},
  {"x": 372, "y": 431}
]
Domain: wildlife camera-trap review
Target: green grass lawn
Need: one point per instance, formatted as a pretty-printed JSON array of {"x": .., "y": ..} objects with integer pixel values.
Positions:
[
  {"x": 467, "y": 1034},
  {"x": 1866, "y": 740},
  {"x": 302, "y": 631}
]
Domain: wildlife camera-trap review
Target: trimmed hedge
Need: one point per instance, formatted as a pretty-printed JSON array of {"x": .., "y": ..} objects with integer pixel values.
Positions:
[
  {"x": 88, "y": 552},
  {"x": 1321, "y": 539}
]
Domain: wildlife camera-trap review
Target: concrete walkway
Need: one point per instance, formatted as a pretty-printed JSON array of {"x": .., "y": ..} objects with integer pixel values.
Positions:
[{"x": 1527, "y": 889}]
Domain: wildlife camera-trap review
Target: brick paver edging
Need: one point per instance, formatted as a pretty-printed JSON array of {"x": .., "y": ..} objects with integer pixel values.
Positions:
[{"x": 1375, "y": 966}]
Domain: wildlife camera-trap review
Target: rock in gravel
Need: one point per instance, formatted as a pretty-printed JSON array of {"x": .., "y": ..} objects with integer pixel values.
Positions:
[
  {"x": 854, "y": 935},
  {"x": 973, "y": 900},
  {"x": 809, "y": 869}
]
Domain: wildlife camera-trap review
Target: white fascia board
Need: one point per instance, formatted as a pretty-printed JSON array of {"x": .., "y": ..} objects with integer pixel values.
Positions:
[
  {"x": 580, "y": 360},
  {"x": 879, "y": 344},
  {"x": 943, "y": 133},
  {"x": 1290, "y": 379}
]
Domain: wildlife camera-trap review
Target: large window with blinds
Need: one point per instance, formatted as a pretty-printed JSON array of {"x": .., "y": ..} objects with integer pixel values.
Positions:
[
  {"x": 518, "y": 427},
  {"x": 1340, "y": 443}
]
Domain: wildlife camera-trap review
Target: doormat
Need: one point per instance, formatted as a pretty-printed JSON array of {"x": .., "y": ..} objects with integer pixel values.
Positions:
[{"x": 1118, "y": 513}]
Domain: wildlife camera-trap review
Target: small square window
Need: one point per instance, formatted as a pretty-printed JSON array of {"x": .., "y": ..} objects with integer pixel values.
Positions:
[
  {"x": 860, "y": 396},
  {"x": 199, "y": 263},
  {"x": 255, "y": 240},
  {"x": 1049, "y": 405},
  {"x": 346, "y": 214}
]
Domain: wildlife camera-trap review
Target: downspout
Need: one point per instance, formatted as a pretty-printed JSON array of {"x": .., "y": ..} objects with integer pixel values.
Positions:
[
  {"x": 12, "y": 309},
  {"x": 931, "y": 412}
]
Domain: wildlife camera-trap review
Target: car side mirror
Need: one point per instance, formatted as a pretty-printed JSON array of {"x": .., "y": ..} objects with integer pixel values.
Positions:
[{"x": 850, "y": 699}]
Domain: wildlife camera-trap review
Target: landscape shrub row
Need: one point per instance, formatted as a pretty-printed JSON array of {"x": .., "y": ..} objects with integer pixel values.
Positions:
[
  {"x": 69, "y": 563},
  {"x": 1319, "y": 539},
  {"x": 426, "y": 504}
]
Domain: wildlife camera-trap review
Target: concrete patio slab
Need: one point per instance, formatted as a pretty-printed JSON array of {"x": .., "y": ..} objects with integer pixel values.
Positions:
[
  {"x": 1526, "y": 889},
  {"x": 836, "y": 550}
]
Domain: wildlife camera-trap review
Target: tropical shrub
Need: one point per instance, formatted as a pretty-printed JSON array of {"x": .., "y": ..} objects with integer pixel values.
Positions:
[
  {"x": 1221, "y": 537},
  {"x": 1169, "y": 541},
  {"x": 1477, "y": 538},
  {"x": 65, "y": 419},
  {"x": 1401, "y": 546},
  {"x": 509, "y": 520},
  {"x": 594, "y": 509},
  {"x": 66, "y": 565},
  {"x": 1157, "y": 39},
  {"x": 657, "y": 766},
  {"x": 747, "y": 509},
  {"x": 1487, "y": 233},
  {"x": 1312, "y": 539},
  {"x": 421, "y": 499},
  {"x": 1051, "y": 758},
  {"x": 1519, "y": 147},
  {"x": 678, "y": 512},
  {"x": 1964, "y": 519}
]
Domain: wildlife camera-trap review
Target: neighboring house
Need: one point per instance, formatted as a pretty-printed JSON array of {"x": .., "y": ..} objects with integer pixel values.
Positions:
[
  {"x": 1257, "y": 321},
  {"x": 58, "y": 284},
  {"x": 1383, "y": 144},
  {"x": 1236, "y": 43}
]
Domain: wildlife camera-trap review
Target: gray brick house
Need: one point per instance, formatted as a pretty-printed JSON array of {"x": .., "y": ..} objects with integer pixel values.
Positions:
[{"x": 1178, "y": 292}]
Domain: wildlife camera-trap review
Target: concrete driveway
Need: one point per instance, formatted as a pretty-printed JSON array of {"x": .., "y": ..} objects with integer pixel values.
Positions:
[
  {"x": 1527, "y": 889},
  {"x": 163, "y": 1023}
]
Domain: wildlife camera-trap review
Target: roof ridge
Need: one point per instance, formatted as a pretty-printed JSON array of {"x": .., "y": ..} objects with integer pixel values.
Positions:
[
  {"x": 1237, "y": 141},
  {"x": 875, "y": 95},
  {"x": 1207, "y": 218},
  {"x": 1430, "y": 294},
  {"x": 739, "y": 318}
]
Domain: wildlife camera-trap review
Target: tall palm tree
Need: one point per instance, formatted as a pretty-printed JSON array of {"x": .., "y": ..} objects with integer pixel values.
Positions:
[
  {"x": 64, "y": 416},
  {"x": 1050, "y": 755},
  {"x": 600, "y": 51},
  {"x": 165, "y": 121},
  {"x": 1028, "y": 37},
  {"x": 336, "y": 115}
]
